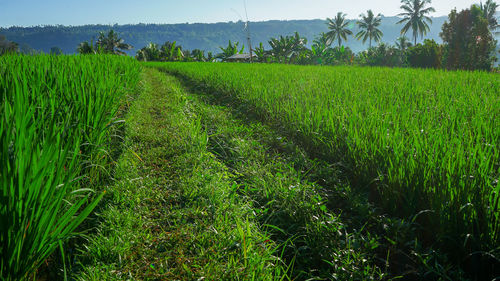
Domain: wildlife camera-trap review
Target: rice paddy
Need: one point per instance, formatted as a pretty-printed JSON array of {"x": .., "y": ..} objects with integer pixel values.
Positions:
[
  {"x": 246, "y": 171},
  {"x": 55, "y": 119},
  {"x": 425, "y": 143}
]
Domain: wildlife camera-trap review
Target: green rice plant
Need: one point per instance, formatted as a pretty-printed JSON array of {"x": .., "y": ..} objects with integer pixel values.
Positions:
[
  {"x": 55, "y": 114},
  {"x": 424, "y": 143}
]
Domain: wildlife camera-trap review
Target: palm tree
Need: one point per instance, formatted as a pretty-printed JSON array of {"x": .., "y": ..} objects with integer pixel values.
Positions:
[
  {"x": 338, "y": 29},
  {"x": 368, "y": 27},
  {"x": 403, "y": 43},
  {"x": 111, "y": 44},
  {"x": 489, "y": 10},
  {"x": 415, "y": 17}
]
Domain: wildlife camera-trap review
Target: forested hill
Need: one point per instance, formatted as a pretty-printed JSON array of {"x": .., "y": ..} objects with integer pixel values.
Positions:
[{"x": 193, "y": 36}]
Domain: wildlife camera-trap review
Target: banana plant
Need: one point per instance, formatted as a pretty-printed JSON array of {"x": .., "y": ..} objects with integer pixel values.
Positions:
[
  {"x": 287, "y": 49},
  {"x": 149, "y": 53},
  {"x": 230, "y": 50},
  {"x": 262, "y": 55}
]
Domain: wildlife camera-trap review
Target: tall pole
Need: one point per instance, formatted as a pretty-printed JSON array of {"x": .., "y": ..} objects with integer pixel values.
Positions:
[{"x": 248, "y": 32}]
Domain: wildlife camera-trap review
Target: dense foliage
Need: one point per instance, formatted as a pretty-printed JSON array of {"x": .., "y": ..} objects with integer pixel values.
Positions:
[
  {"x": 55, "y": 120},
  {"x": 426, "y": 55},
  {"x": 7, "y": 46},
  {"x": 468, "y": 42},
  {"x": 171, "y": 51}
]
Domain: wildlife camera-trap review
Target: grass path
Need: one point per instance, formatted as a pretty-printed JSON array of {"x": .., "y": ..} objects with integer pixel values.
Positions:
[
  {"x": 205, "y": 191},
  {"x": 174, "y": 212}
]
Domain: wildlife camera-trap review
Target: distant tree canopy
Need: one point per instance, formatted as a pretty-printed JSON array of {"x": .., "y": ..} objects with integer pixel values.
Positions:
[
  {"x": 107, "y": 43},
  {"x": 230, "y": 50},
  {"x": 488, "y": 10},
  {"x": 207, "y": 37},
  {"x": 86, "y": 48},
  {"x": 110, "y": 43},
  {"x": 338, "y": 29},
  {"x": 56, "y": 51},
  {"x": 426, "y": 55},
  {"x": 287, "y": 49},
  {"x": 171, "y": 51},
  {"x": 415, "y": 17},
  {"x": 468, "y": 42},
  {"x": 368, "y": 26},
  {"x": 7, "y": 46}
]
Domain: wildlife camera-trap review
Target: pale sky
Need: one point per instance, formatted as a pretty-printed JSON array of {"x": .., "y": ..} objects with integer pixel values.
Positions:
[{"x": 72, "y": 12}]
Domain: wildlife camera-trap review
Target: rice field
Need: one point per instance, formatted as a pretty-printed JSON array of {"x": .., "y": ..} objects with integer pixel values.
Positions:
[
  {"x": 423, "y": 143},
  {"x": 56, "y": 115}
]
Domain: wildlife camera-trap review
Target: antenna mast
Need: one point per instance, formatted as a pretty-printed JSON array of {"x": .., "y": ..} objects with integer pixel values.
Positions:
[{"x": 247, "y": 26}]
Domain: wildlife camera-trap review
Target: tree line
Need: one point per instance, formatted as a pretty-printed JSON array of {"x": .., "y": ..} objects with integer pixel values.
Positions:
[{"x": 468, "y": 42}]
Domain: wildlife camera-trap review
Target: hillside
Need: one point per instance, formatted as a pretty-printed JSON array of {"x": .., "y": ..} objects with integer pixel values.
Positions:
[{"x": 192, "y": 36}]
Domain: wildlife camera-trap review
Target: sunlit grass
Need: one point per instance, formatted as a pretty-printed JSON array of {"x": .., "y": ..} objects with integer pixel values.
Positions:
[
  {"x": 424, "y": 141},
  {"x": 55, "y": 112}
]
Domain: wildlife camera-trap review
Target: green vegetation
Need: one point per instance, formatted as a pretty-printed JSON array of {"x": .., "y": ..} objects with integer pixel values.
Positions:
[
  {"x": 468, "y": 43},
  {"x": 468, "y": 40},
  {"x": 230, "y": 50},
  {"x": 255, "y": 171},
  {"x": 207, "y": 191},
  {"x": 286, "y": 49},
  {"x": 369, "y": 28},
  {"x": 55, "y": 122},
  {"x": 424, "y": 144},
  {"x": 338, "y": 29},
  {"x": 174, "y": 212},
  {"x": 171, "y": 51},
  {"x": 205, "y": 36},
  {"x": 7, "y": 47},
  {"x": 415, "y": 17},
  {"x": 489, "y": 9},
  {"x": 108, "y": 43},
  {"x": 426, "y": 55},
  {"x": 342, "y": 173}
]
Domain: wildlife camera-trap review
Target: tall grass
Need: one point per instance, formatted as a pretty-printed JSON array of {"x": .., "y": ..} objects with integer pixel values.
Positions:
[
  {"x": 55, "y": 112},
  {"x": 424, "y": 142}
]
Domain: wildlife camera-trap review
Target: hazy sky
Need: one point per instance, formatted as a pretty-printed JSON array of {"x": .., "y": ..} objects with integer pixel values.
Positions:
[{"x": 73, "y": 12}]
